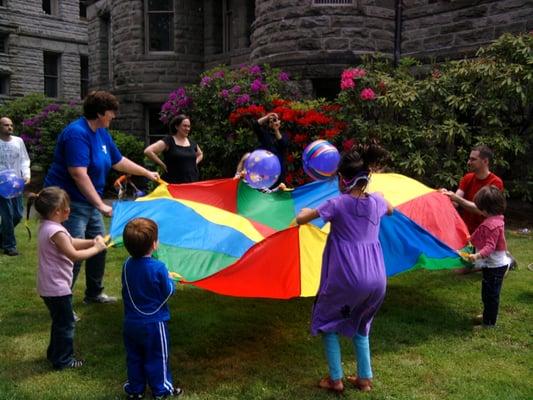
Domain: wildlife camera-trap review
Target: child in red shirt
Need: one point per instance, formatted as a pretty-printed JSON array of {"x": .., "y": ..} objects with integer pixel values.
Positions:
[{"x": 491, "y": 256}]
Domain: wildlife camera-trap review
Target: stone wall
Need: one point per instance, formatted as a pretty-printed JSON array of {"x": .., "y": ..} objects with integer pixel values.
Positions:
[
  {"x": 452, "y": 29},
  {"x": 140, "y": 78},
  {"x": 31, "y": 32},
  {"x": 319, "y": 41}
]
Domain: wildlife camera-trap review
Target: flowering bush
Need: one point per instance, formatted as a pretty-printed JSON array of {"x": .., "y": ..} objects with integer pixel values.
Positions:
[
  {"x": 302, "y": 122},
  {"x": 209, "y": 103},
  {"x": 430, "y": 120}
]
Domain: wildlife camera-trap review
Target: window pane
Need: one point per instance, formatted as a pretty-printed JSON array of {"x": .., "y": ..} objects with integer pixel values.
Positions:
[
  {"x": 83, "y": 10},
  {"x": 50, "y": 64},
  {"x": 160, "y": 30},
  {"x": 4, "y": 84},
  {"x": 84, "y": 76},
  {"x": 3, "y": 43},
  {"x": 47, "y": 6},
  {"x": 156, "y": 129},
  {"x": 160, "y": 5},
  {"x": 50, "y": 87}
]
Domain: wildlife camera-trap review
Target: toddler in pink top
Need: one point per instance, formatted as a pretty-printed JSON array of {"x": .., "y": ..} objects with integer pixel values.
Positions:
[
  {"x": 57, "y": 253},
  {"x": 491, "y": 250}
]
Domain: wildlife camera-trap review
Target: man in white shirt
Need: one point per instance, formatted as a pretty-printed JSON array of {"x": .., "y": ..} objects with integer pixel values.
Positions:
[{"x": 13, "y": 155}]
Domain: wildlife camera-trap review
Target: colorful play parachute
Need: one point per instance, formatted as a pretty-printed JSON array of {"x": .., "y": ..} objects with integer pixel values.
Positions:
[{"x": 228, "y": 238}]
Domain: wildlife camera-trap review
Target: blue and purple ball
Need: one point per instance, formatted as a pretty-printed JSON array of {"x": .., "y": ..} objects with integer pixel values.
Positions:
[
  {"x": 262, "y": 169},
  {"x": 11, "y": 185},
  {"x": 320, "y": 160}
]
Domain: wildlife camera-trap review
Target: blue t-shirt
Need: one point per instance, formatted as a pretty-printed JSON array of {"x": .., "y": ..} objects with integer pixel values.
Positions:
[
  {"x": 146, "y": 288},
  {"x": 79, "y": 146}
]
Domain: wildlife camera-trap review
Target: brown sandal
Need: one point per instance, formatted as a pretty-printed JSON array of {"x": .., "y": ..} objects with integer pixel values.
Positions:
[
  {"x": 329, "y": 384},
  {"x": 363, "y": 384}
]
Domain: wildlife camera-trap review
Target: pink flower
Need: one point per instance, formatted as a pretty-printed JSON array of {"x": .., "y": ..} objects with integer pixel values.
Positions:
[
  {"x": 255, "y": 70},
  {"x": 347, "y": 84},
  {"x": 224, "y": 93},
  {"x": 367, "y": 94},
  {"x": 256, "y": 85}
]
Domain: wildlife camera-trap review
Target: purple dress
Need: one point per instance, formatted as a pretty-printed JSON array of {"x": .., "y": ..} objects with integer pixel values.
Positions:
[{"x": 353, "y": 280}]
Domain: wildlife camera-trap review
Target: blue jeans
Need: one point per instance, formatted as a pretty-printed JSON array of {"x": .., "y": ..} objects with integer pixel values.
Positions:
[
  {"x": 61, "y": 348},
  {"x": 11, "y": 213},
  {"x": 491, "y": 286},
  {"x": 86, "y": 222}
]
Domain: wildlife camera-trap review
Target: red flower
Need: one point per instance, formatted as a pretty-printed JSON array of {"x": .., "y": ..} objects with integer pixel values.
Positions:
[
  {"x": 331, "y": 133},
  {"x": 300, "y": 138},
  {"x": 348, "y": 144}
]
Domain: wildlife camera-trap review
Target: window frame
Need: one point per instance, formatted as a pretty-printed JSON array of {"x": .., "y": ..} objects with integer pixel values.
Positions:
[
  {"x": 147, "y": 14},
  {"x": 148, "y": 136},
  {"x": 57, "y": 77}
]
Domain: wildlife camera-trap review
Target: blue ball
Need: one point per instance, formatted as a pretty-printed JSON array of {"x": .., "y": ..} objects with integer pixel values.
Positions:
[
  {"x": 11, "y": 185},
  {"x": 320, "y": 160},
  {"x": 262, "y": 169}
]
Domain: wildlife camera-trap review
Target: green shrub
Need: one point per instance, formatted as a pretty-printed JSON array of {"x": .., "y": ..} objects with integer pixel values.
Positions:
[{"x": 430, "y": 121}]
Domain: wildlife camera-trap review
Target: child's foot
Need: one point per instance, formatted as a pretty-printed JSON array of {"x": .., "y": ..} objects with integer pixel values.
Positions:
[
  {"x": 329, "y": 384},
  {"x": 175, "y": 393},
  {"x": 363, "y": 384}
]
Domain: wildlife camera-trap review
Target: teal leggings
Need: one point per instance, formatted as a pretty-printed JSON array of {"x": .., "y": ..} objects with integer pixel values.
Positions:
[{"x": 333, "y": 355}]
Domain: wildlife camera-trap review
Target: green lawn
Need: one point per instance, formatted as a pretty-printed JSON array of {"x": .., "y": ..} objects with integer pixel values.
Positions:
[{"x": 423, "y": 343}]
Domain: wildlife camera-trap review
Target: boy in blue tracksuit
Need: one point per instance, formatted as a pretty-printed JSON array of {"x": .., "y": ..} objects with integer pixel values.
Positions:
[{"x": 146, "y": 288}]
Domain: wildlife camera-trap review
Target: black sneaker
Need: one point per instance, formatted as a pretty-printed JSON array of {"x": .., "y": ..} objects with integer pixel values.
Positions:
[
  {"x": 102, "y": 298},
  {"x": 11, "y": 252},
  {"x": 175, "y": 393}
]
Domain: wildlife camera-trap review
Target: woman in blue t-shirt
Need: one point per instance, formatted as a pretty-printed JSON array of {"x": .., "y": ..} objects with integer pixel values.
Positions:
[
  {"x": 83, "y": 157},
  {"x": 181, "y": 155}
]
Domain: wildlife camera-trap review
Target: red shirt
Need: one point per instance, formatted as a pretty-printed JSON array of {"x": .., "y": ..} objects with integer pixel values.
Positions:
[
  {"x": 470, "y": 185},
  {"x": 490, "y": 236}
]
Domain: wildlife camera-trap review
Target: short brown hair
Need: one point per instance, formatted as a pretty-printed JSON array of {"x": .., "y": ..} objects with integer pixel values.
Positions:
[
  {"x": 139, "y": 235},
  {"x": 484, "y": 152},
  {"x": 98, "y": 102},
  {"x": 490, "y": 200}
]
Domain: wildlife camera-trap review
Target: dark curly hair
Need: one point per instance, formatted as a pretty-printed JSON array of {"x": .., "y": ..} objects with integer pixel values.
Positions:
[{"x": 359, "y": 161}]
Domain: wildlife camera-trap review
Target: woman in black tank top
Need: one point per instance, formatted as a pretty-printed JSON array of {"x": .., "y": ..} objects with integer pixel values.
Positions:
[{"x": 181, "y": 155}]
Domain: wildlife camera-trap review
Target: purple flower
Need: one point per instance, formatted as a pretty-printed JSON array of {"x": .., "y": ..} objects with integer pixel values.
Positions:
[
  {"x": 206, "y": 80},
  {"x": 236, "y": 89},
  {"x": 256, "y": 85},
  {"x": 242, "y": 100},
  {"x": 255, "y": 70},
  {"x": 224, "y": 93},
  {"x": 51, "y": 108},
  {"x": 283, "y": 76},
  {"x": 166, "y": 107},
  {"x": 180, "y": 92},
  {"x": 29, "y": 122},
  {"x": 218, "y": 74}
]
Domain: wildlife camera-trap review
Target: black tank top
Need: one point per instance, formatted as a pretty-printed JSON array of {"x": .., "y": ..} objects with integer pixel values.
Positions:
[{"x": 180, "y": 162}]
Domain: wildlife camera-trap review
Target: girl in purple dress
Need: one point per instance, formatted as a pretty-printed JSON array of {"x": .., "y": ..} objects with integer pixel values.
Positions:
[{"x": 353, "y": 280}]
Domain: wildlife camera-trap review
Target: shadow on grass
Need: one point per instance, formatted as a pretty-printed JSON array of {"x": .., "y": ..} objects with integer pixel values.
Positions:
[{"x": 220, "y": 343}]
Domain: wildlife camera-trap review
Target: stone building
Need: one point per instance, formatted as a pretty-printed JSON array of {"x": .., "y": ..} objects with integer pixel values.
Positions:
[
  {"x": 43, "y": 48},
  {"x": 143, "y": 49}
]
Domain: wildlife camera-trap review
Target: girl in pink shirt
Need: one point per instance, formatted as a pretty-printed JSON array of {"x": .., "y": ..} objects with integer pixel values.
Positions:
[
  {"x": 491, "y": 250},
  {"x": 57, "y": 252}
]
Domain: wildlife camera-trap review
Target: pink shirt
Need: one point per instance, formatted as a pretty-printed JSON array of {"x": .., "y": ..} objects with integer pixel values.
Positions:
[
  {"x": 489, "y": 237},
  {"x": 54, "y": 277}
]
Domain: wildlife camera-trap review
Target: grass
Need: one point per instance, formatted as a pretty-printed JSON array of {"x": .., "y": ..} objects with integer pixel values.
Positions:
[{"x": 423, "y": 343}]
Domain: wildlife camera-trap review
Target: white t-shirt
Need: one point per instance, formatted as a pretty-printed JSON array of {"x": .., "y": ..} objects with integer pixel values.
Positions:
[{"x": 13, "y": 155}]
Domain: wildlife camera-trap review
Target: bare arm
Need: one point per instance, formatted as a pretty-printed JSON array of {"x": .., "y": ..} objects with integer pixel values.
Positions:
[
  {"x": 154, "y": 150},
  {"x": 87, "y": 189},
  {"x": 129, "y": 167},
  {"x": 66, "y": 246},
  {"x": 390, "y": 208},
  {"x": 199, "y": 154},
  {"x": 458, "y": 198},
  {"x": 80, "y": 244},
  {"x": 306, "y": 215}
]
